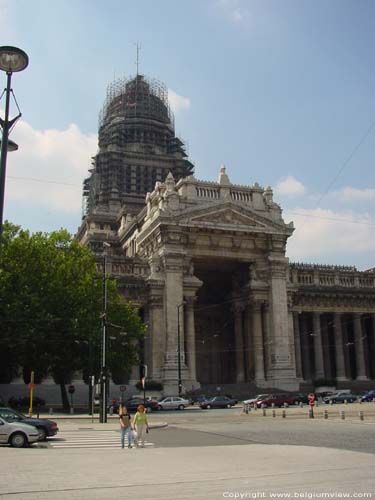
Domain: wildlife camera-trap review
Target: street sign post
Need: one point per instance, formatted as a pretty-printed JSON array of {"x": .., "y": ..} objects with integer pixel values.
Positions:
[
  {"x": 311, "y": 398},
  {"x": 122, "y": 390},
  {"x": 31, "y": 387},
  {"x": 143, "y": 381},
  {"x": 71, "y": 390}
]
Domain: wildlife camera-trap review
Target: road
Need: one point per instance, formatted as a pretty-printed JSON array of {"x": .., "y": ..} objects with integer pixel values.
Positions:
[
  {"x": 231, "y": 427},
  {"x": 194, "y": 427}
]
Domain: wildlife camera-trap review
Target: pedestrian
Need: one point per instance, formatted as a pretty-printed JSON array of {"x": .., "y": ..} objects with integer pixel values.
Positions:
[
  {"x": 126, "y": 426},
  {"x": 141, "y": 425}
]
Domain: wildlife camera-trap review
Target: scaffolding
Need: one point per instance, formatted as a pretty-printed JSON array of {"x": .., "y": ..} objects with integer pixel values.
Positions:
[
  {"x": 137, "y": 146},
  {"x": 137, "y": 97}
]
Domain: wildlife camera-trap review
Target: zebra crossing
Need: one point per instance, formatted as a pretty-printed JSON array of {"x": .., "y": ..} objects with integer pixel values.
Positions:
[{"x": 89, "y": 438}]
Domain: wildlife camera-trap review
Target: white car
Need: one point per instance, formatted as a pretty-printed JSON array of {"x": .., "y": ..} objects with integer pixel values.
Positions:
[
  {"x": 173, "y": 403},
  {"x": 17, "y": 434}
]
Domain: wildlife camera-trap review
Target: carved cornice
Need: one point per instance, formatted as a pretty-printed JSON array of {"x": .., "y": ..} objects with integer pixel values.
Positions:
[{"x": 349, "y": 302}]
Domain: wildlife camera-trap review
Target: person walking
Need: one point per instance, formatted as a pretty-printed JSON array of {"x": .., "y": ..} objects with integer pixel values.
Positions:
[
  {"x": 126, "y": 426},
  {"x": 141, "y": 425}
]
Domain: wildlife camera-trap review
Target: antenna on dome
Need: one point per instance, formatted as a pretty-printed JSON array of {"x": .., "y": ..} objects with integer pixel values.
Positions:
[{"x": 138, "y": 48}]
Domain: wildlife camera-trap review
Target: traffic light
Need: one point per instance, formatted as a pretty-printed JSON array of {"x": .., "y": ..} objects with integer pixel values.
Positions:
[{"x": 143, "y": 371}]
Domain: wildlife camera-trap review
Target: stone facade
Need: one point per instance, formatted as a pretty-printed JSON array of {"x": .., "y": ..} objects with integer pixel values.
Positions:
[
  {"x": 206, "y": 264},
  {"x": 205, "y": 261}
]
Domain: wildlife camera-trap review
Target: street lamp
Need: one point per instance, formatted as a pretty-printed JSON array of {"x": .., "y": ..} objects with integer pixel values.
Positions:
[
  {"x": 103, "y": 375},
  {"x": 12, "y": 60},
  {"x": 179, "y": 348}
]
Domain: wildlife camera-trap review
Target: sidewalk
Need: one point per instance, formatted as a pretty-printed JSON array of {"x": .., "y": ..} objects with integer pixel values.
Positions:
[{"x": 213, "y": 473}]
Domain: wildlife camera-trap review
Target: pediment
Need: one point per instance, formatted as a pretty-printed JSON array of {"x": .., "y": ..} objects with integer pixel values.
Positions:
[{"x": 227, "y": 216}]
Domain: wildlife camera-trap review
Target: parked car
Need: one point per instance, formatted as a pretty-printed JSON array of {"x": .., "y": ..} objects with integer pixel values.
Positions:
[
  {"x": 46, "y": 428},
  {"x": 218, "y": 402},
  {"x": 173, "y": 403},
  {"x": 369, "y": 396},
  {"x": 199, "y": 398},
  {"x": 280, "y": 400},
  {"x": 24, "y": 402},
  {"x": 252, "y": 401},
  {"x": 133, "y": 403},
  {"x": 340, "y": 398},
  {"x": 300, "y": 397},
  {"x": 17, "y": 434}
]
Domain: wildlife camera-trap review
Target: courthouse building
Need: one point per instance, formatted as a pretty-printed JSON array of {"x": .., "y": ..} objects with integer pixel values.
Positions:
[{"x": 206, "y": 263}]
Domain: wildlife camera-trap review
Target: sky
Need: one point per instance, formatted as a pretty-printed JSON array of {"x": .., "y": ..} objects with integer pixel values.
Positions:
[{"x": 281, "y": 91}]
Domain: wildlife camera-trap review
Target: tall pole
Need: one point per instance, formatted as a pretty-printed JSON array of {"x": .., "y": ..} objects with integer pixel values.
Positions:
[
  {"x": 12, "y": 60},
  {"x": 4, "y": 150},
  {"x": 179, "y": 350},
  {"x": 103, "y": 378}
]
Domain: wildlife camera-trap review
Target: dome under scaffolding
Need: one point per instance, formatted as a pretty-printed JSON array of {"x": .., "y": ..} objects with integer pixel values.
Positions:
[
  {"x": 137, "y": 146},
  {"x": 137, "y": 97}
]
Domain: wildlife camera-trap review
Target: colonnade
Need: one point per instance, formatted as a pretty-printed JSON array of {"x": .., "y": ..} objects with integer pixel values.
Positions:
[{"x": 334, "y": 345}]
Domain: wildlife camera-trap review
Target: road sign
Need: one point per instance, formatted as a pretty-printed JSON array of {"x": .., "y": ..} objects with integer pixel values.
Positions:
[
  {"x": 71, "y": 389},
  {"x": 122, "y": 388},
  {"x": 311, "y": 398}
]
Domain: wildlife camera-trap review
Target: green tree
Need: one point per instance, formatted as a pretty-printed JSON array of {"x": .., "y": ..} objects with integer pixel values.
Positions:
[{"x": 50, "y": 310}]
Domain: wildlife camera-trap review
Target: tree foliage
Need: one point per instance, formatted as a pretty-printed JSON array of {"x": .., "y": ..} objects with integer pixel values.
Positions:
[{"x": 51, "y": 310}]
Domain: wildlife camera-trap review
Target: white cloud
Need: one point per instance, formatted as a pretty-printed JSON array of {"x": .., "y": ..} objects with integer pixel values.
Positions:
[
  {"x": 3, "y": 14},
  {"x": 353, "y": 194},
  {"x": 177, "y": 102},
  {"x": 323, "y": 235},
  {"x": 234, "y": 9},
  {"x": 49, "y": 166},
  {"x": 290, "y": 186}
]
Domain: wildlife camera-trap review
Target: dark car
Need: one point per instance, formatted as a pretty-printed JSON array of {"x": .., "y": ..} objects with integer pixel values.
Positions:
[
  {"x": 300, "y": 397},
  {"x": 369, "y": 396},
  {"x": 218, "y": 402},
  {"x": 133, "y": 403},
  {"x": 280, "y": 400},
  {"x": 46, "y": 428},
  {"x": 340, "y": 398},
  {"x": 200, "y": 398}
]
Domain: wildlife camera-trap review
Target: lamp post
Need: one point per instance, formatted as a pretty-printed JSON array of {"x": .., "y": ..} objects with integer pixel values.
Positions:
[
  {"x": 12, "y": 60},
  {"x": 179, "y": 348},
  {"x": 103, "y": 374}
]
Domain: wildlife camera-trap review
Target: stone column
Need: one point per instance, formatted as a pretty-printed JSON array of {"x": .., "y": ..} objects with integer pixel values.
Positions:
[
  {"x": 328, "y": 369},
  {"x": 297, "y": 344},
  {"x": 318, "y": 350},
  {"x": 258, "y": 344},
  {"x": 281, "y": 370},
  {"x": 339, "y": 349},
  {"x": 249, "y": 345},
  {"x": 238, "y": 335},
  {"x": 174, "y": 321},
  {"x": 359, "y": 351},
  {"x": 305, "y": 341},
  {"x": 266, "y": 335},
  {"x": 147, "y": 345},
  {"x": 156, "y": 332},
  {"x": 190, "y": 341}
]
